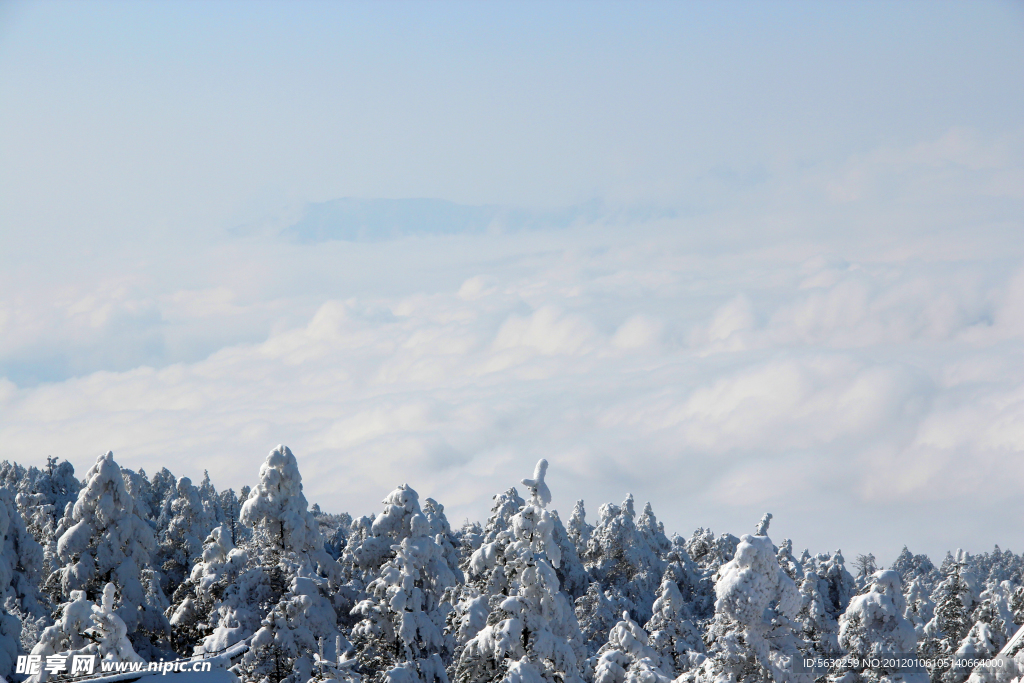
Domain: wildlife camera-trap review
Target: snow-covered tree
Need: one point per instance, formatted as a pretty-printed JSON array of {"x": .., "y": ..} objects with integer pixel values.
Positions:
[
  {"x": 372, "y": 540},
  {"x": 182, "y": 542},
  {"x": 87, "y": 629},
  {"x": 918, "y": 568},
  {"x": 400, "y": 636},
  {"x": 673, "y": 635},
  {"x": 21, "y": 559},
  {"x": 578, "y": 529},
  {"x": 789, "y": 563},
  {"x": 195, "y": 601},
  {"x": 286, "y": 545},
  {"x": 751, "y": 637},
  {"x": 105, "y": 540},
  {"x": 531, "y": 632},
  {"x": 952, "y": 621},
  {"x": 441, "y": 531},
  {"x": 620, "y": 555},
  {"x": 597, "y": 612},
  {"x": 818, "y": 628},
  {"x": 873, "y": 626},
  {"x": 835, "y": 584},
  {"x": 626, "y": 657},
  {"x": 920, "y": 608},
  {"x": 277, "y": 510},
  {"x": 288, "y": 640},
  {"x": 983, "y": 641},
  {"x": 711, "y": 552}
]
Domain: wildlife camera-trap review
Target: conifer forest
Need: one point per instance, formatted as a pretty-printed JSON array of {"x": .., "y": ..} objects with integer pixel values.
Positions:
[{"x": 131, "y": 567}]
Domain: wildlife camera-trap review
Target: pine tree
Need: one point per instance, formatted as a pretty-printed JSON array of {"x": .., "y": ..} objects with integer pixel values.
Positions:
[
  {"x": 626, "y": 657},
  {"x": 835, "y": 584},
  {"x": 788, "y": 561},
  {"x": 182, "y": 542},
  {"x": 578, "y": 529},
  {"x": 441, "y": 531},
  {"x": 288, "y": 640},
  {"x": 531, "y": 632},
  {"x": 984, "y": 640},
  {"x": 873, "y": 625},
  {"x": 818, "y": 628},
  {"x": 751, "y": 637},
  {"x": 21, "y": 559},
  {"x": 673, "y": 635},
  {"x": 710, "y": 552},
  {"x": 195, "y": 601},
  {"x": 620, "y": 555},
  {"x": 286, "y": 545},
  {"x": 597, "y": 612},
  {"x": 951, "y": 621},
  {"x": 372, "y": 540},
  {"x": 920, "y": 608},
  {"x": 104, "y": 540},
  {"x": 87, "y": 629},
  {"x": 403, "y": 616}
]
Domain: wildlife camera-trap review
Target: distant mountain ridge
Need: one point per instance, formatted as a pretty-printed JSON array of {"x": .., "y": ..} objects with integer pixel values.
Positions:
[{"x": 375, "y": 220}]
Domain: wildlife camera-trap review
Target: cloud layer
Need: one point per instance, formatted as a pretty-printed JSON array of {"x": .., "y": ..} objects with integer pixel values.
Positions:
[{"x": 868, "y": 392}]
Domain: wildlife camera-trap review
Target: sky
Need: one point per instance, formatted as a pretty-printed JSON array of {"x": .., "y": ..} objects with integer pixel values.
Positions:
[{"x": 727, "y": 257}]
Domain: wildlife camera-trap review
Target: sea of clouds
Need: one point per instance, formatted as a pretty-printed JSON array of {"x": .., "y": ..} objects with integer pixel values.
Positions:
[{"x": 843, "y": 347}]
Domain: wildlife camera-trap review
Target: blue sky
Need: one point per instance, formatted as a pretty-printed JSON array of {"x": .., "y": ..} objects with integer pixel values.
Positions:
[{"x": 774, "y": 249}]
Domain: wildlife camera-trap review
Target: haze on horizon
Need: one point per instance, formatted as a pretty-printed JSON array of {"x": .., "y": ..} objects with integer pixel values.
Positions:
[{"x": 729, "y": 257}]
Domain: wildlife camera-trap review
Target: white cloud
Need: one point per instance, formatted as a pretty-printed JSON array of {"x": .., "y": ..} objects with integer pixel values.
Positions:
[{"x": 866, "y": 391}]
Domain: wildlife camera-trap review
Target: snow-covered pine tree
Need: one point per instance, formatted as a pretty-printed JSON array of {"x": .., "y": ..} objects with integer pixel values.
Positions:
[
  {"x": 597, "y": 612},
  {"x": 626, "y": 657},
  {"x": 578, "y": 529},
  {"x": 572, "y": 575},
  {"x": 918, "y": 568},
  {"x": 42, "y": 495},
  {"x": 697, "y": 589},
  {"x": 751, "y": 637},
  {"x": 920, "y": 608},
  {"x": 192, "y": 613},
  {"x": 673, "y": 635},
  {"x": 873, "y": 626},
  {"x": 952, "y": 621},
  {"x": 441, "y": 531},
  {"x": 87, "y": 629},
  {"x": 984, "y": 640},
  {"x": 531, "y": 632},
  {"x": 286, "y": 545},
  {"x": 182, "y": 541},
  {"x": 400, "y": 636},
  {"x": 818, "y": 628},
  {"x": 21, "y": 559},
  {"x": 289, "y": 638},
  {"x": 835, "y": 584},
  {"x": 788, "y": 561},
  {"x": 709, "y": 552},
  {"x": 470, "y": 600},
  {"x": 103, "y": 539},
  {"x": 162, "y": 487},
  {"x": 620, "y": 556},
  {"x": 371, "y": 540},
  {"x": 140, "y": 489},
  {"x": 211, "y": 501},
  {"x": 232, "y": 509}
]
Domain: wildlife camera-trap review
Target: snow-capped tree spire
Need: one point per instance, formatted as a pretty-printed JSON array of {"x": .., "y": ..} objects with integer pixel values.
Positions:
[
  {"x": 541, "y": 494},
  {"x": 762, "y": 526}
]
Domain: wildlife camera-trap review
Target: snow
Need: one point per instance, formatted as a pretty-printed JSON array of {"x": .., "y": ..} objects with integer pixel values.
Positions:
[{"x": 521, "y": 597}]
